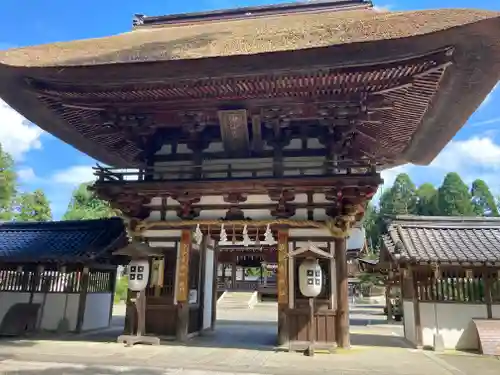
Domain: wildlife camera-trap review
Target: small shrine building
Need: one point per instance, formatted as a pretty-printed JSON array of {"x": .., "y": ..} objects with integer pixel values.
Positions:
[
  {"x": 448, "y": 269},
  {"x": 58, "y": 276},
  {"x": 263, "y": 125}
]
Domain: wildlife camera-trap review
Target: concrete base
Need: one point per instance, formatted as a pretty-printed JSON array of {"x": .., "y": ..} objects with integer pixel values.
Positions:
[{"x": 130, "y": 340}]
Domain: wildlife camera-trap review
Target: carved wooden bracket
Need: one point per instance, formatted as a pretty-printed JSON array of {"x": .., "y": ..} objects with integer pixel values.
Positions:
[
  {"x": 186, "y": 211},
  {"x": 235, "y": 198},
  {"x": 283, "y": 210}
]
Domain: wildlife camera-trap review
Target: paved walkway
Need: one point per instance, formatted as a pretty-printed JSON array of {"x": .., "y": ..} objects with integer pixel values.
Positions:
[{"x": 226, "y": 353}]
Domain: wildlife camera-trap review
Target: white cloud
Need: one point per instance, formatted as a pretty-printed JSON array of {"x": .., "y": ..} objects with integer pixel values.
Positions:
[
  {"x": 73, "y": 175},
  {"x": 26, "y": 174},
  {"x": 473, "y": 158},
  {"x": 476, "y": 152},
  {"x": 17, "y": 135}
]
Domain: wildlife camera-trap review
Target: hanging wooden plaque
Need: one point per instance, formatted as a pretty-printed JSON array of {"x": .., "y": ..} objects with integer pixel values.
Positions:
[
  {"x": 282, "y": 267},
  {"x": 183, "y": 271}
]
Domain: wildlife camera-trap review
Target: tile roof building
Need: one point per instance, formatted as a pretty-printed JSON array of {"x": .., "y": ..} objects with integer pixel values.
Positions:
[
  {"x": 58, "y": 276},
  {"x": 61, "y": 241},
  {"x": 458, "y": 240}
]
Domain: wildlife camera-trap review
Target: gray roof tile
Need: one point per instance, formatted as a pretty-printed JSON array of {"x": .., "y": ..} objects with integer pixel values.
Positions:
[{"x": 444, "y": 239}]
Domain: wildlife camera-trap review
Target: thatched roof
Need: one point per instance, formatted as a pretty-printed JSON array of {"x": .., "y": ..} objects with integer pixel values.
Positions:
[
  {"x": 269, "y": 45},
  {"x": 250, "y": 36}
]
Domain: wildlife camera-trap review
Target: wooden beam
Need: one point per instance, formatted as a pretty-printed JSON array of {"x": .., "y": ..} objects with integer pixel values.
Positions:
[{"x": 342, "y": 326}]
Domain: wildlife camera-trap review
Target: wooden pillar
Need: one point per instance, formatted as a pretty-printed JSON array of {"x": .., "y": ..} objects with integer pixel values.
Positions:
[
  {"x": 388, "y": 303},
  {"x": 183, "y": 286},
  {"x": 416, "y": 307},
  {"x": 487, "y": 294},
  {"x": 342, "y": 316},
  {"x": 282, "y": 285},
  {"x": 233, "y": 275},
  {"x": 112, "y": 287},
  {"x": 83, "y": 299},
  {"x": 215, "y": 295}
]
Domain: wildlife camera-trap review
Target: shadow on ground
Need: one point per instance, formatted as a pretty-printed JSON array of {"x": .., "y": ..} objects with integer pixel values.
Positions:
[
  {"x": 86, "y": 370},
  {"x": 361, "y": 339}
]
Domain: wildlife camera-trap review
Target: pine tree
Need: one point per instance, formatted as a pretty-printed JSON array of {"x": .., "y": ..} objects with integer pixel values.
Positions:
[
  {"x": 33, "y": 207},
  {"x": 482, "y": 200},
  {"x": 85, "y": 205},
  {"x": 427, "y": 204},
  {"x": 454, "y": 198},
  {"x": 8, "y": 182}
]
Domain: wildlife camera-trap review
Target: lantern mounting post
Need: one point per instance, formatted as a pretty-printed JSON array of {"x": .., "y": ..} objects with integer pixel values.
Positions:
[
  {"x": 139, "y": 272},
  {"x": 310, "y": 283}
]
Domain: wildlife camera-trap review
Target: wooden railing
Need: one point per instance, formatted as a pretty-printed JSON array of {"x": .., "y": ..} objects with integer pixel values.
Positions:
[{"x": 223, "y": 171}]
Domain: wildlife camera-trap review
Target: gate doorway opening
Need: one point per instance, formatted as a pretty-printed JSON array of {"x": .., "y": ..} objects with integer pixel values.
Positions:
[{"x": 247, "y": 309}]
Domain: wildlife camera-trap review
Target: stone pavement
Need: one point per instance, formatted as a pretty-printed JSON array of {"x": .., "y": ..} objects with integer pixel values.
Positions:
[{"x": 240, "y": 347}]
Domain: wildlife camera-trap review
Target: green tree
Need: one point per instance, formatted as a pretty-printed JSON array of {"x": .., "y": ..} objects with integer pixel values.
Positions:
[
  {"x": 454, "y": 198},
  {"x": 482, "y": 200},
  {"x": 85, "y": 205},
  {"x": 33, "y": 207},
  {"x": 8, "y": 182},
  {"x": 372, "y": 225},
  {"x": 427, "y": 200},
  {"x": 401, "y": 198}
]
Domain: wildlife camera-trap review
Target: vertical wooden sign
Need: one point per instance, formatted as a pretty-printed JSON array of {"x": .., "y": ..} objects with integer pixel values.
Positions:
[
  {"x": 282, "y": 267},
  {"x": 183, "y": 271}
]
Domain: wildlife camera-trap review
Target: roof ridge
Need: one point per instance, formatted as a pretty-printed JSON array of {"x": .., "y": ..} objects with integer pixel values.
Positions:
[{"x": 141, "y": 20}]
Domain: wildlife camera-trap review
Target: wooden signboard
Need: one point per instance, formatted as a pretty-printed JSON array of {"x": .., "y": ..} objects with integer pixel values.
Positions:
[
  {"x": 282, "y": 267},
  {"x": 183, "y": 271}
]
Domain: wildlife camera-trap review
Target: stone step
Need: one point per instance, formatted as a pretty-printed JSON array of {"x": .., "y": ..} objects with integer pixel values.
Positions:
[{"x": 237, "y": 300}]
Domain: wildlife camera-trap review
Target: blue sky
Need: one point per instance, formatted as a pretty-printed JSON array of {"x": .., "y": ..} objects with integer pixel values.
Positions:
[{"x": 45, "y": 162}]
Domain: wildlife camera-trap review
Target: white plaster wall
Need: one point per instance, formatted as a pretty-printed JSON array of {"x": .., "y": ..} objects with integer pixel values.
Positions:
[
  {"x": 55, "y": 308},
  {"x": 496, "y": 311},
  {"x": 454, "y": 322},
  {"x": 409, "y": 321},
  {"x": 8, "y": 299},
  {"x": 208, "y": 291},
  {"x": 97, "y": 308}
]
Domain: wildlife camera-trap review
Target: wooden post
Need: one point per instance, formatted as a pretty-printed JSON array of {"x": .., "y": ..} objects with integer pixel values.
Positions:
[
  {"x": 416, "y": 307},
  {"x": 215, "y": 291},
  {"x": 233, "y": 275},
  {"x": 312, "y": 329},
  {"x": 282, "y": 285},
  {"x": 342, "y": 316},
  {"x": 388, "y": 303},
  {"x": 183, "y": 286},
  {"x": 140, "y": 304},
  {"x": 112, "y": 287},
  {"x": 83, "y": 299},
  {"x": 487, "y": 294}
]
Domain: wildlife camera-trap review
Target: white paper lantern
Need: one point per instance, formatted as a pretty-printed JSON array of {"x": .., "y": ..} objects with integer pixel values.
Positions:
[
  {"x": 138, "y": 274},
  {"x": 310, "y": 278}
]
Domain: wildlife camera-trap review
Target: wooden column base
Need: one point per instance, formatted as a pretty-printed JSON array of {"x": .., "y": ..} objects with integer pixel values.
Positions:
[{"x": 182, "y": 321}]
